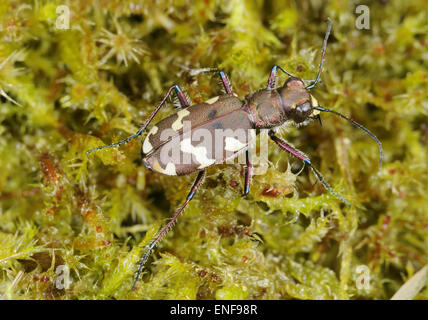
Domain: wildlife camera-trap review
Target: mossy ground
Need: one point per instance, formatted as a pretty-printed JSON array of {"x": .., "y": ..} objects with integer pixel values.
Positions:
[{"x": 66, "y": 91}]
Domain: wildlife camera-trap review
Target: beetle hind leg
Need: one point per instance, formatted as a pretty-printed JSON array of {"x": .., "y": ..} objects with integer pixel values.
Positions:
[{"x": 198, "y": 181}]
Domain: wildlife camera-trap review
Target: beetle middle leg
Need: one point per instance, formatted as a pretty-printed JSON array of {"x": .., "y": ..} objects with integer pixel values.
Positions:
[
  {"x": 223, "y": 77},
  {"x": 225, "y": 81},
  {"x": 183, "y": 102},
  {"x": 198, "y": 181},
  {"x": 300, "y": 155}
]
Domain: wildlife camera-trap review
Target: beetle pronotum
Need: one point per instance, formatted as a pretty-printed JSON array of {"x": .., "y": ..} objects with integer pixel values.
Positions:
[{"x": 268, "y": 108}]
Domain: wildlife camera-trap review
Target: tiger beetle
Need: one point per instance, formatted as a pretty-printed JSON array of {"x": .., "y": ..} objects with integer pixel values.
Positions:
[{"x": 268, "y": 108}]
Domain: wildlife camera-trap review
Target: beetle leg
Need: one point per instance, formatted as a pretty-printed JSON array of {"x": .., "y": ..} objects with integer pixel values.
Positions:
[
  {"x": 300, "y": 155},
  {"x": 223, "y": 77},
  {"x": 195, "y": 186},
  {"x": 226, "y": 82},
  {"x": 272, "y": 77},
  {"x": 285, "y": 146},
  {"x": 273, "y": 74},
  {"x": 183, "y": 101},
  {"x": 248, "y": 173}
]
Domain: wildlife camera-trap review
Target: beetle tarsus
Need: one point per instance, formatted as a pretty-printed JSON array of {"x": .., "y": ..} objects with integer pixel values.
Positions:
[{"x": 142, "y": 263}]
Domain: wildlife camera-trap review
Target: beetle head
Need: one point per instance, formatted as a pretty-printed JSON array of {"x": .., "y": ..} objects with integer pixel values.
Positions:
[{"x": 297, "y": 102}]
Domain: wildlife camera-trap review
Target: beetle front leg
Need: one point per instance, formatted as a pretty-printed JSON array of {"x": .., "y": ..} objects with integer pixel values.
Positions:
[
  {"x": 272, "y": 77},
  {"x": 183, "y": 101},
  {"x": 273, "y": 74},
  {"x": 300, "y": 155},
  {"x": 198, "y": 181}
]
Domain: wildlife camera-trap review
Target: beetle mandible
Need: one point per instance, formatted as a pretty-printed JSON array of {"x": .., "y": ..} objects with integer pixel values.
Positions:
[{"x": 268, "y": 108}]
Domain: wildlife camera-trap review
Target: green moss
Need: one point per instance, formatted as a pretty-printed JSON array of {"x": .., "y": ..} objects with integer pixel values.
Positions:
[{"x": 66, "y": 91}]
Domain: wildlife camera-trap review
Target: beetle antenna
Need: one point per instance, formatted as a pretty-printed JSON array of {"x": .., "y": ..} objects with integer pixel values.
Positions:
[
  {"x": 324, "y": 47},
  {"x": 358, "y": 126}
]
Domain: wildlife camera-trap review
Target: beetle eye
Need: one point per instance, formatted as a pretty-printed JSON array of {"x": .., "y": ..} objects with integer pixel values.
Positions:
[
  {"x": 302, "y": 111},
  {"x": 304, "y": 107}
]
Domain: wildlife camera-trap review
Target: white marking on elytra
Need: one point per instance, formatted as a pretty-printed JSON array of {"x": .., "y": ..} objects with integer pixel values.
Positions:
[
  {"x": 233, "y": 144},
  {"x": 178, "y": 124},
  {"x": 147, "y": 146},
  {"x": 212, "y": 100},
  {"x": 200, "y": 153},
  {"x": 156, "y": 166},
  {"x": 170, "y": 169}
]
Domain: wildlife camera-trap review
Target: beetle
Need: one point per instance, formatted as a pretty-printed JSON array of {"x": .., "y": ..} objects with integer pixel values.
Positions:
[{"x": 170, "y": 140}]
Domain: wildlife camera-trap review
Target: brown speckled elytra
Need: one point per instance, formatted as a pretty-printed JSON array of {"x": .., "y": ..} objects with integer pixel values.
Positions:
[{"x": 268, "y": 108}]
